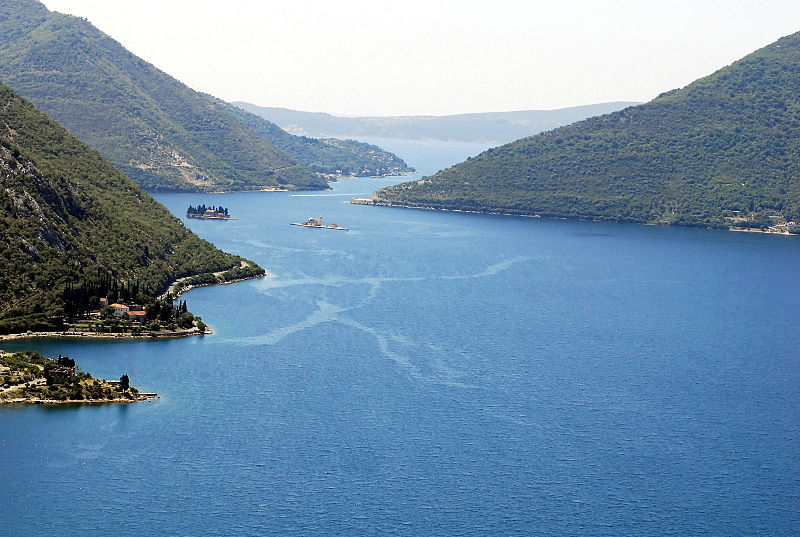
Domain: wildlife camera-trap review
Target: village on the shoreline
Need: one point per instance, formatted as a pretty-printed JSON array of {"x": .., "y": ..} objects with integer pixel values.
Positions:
[{"x": 28, "y": 377}]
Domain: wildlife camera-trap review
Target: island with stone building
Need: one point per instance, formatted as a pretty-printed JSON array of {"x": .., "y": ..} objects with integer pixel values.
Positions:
[{"x": 29, "y": 377}]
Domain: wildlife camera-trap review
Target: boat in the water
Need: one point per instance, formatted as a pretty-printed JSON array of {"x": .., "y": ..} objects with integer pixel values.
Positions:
[{"x": 317, "y": 223}]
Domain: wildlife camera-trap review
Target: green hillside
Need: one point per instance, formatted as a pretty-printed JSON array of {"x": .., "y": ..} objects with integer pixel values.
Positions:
[
  {"x": 722, "y": 150},
  {"x": 69, "y": 221},
  {"x": 161, "y": 133}
]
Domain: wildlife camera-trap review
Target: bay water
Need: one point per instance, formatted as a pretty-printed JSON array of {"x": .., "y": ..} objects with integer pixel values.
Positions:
[{"x": 431, "y": 373}]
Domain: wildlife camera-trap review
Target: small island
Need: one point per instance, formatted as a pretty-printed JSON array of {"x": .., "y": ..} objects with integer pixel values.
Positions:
[
  {"x": 28, "y": 377},
  {"x": 209, "y": 213},
  {"x": 317, "y": 223}
]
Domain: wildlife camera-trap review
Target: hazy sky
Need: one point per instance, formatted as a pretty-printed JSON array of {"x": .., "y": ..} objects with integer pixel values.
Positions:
[{"x": 378, "y": 57}]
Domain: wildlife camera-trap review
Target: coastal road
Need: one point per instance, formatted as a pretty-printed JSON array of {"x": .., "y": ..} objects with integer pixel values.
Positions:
[
  {"x": 33, "y": 382},
  {"x": 171, "y": 288}
]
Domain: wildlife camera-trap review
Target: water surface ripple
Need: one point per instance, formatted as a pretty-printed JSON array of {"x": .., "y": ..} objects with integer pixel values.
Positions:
[{"x": 439, "y": 374}]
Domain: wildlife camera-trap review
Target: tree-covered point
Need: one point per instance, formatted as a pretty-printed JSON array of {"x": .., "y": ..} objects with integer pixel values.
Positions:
[
  {"x": 327, "y": 155},
  {"x": 73, "y": 228},
  {"x": 723, "y": 150},
  {"x": 243, "y": 272}
]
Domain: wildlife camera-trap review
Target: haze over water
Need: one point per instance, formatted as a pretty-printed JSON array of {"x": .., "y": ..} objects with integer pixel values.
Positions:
[{"x": 431, "y": 373}]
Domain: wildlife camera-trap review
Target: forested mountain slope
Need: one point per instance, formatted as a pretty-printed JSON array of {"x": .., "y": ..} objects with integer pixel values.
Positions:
[
  {"x": 161, "y": 133},
  {"x": 723, "y": 149},
  {"x": 69, "y": 219}
]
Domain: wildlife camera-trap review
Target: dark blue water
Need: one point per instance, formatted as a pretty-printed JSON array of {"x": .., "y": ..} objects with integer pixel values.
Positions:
[{"x": 439, "y": 374}]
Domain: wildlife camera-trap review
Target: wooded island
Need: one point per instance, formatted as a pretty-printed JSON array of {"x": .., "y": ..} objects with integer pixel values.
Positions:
[{"x": 212, "y": 213}]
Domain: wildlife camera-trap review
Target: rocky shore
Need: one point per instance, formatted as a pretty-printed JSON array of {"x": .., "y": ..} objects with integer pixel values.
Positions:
[
  {"x": 108, "y": 335},
  {"x": 35, "y": 401}
]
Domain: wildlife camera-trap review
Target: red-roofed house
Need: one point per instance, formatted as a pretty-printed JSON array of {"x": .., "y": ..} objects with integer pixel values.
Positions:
[
  {"x": 137, "y": 315},
  {"x": 120, "y": 310}
]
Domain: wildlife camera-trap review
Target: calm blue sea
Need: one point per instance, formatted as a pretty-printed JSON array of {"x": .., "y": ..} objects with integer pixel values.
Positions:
[{"x": 438, "y": 374}]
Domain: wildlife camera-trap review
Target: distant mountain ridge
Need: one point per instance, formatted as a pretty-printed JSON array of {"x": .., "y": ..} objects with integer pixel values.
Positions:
[
  {"x": 722, "y": 151},
  {"x": 327, "y": 155},
  {"x": 160, "y": 132},
  {"x": 68, "y": 219},
  {"x": 500, "y": 127}
]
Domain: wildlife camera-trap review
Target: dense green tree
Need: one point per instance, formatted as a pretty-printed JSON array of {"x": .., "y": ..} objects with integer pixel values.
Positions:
[{"x": 185, "y": 320}]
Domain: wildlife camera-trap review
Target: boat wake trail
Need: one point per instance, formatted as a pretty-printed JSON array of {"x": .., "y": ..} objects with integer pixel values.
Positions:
[
  {"x": 422, "y": 361},
  {"x": 326, "y": 313}
]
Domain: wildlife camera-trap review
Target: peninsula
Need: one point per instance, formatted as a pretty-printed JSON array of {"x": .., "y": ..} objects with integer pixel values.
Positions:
[
  {"x": 29, "y": 377},
  {"x": 721, "y": 152}
]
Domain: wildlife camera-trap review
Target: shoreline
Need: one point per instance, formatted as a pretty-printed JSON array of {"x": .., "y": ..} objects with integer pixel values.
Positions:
[
  {"x": 25, "y": 401},
  {"x": 103, "y": 335},
  {"x": 259, "y": 189},
  {"x": 170, "y": 288},
  {"x": 757, "y": 230},
  {"x": 203, "y": 217},
  {"x": 370, "y": 201},
  {"x": 125, "y": 335}
]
